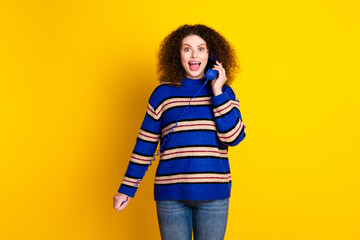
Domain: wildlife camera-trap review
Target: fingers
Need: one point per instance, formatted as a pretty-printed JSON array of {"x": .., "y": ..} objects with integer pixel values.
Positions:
[
  {"x": 120, "y": 202},
  {"x": 218, "y": 83},
  {"x": 123, "y": 204},
  {"x": 221, "y": 70}
]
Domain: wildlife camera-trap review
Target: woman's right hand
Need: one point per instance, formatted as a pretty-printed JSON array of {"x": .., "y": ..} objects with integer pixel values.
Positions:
[{"x": 118, "y": 199}]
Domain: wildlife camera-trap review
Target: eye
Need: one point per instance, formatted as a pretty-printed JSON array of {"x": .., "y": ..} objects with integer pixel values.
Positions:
[
  {"x": 186, "y": 49},
  {"x": 201, "y": 49}
]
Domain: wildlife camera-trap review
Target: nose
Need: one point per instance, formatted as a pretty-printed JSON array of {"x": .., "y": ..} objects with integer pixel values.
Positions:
[{"x": 194, "y": 54}]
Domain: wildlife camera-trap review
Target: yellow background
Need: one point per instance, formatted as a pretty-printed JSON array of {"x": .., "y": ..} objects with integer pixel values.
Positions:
[{"x": 75, "y": 81}]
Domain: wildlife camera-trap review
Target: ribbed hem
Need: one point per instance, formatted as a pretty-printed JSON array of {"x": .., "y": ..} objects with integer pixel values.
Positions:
[{"x": 192, "y": 192}]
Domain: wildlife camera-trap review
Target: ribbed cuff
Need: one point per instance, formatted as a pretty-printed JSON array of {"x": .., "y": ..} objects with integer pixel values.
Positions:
[
  {"x": 130, "y": 191},
  {"x": 219, "y": 99}
]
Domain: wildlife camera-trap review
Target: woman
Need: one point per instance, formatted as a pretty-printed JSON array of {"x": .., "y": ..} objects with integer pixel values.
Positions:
[{"x": 193, "y": 181}]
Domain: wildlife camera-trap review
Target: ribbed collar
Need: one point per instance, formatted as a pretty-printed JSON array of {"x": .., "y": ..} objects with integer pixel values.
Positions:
[{"x": 193, "y": 82}]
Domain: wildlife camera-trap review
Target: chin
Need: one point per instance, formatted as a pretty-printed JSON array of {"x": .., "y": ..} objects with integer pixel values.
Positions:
[{"x": 196, "y": 75}]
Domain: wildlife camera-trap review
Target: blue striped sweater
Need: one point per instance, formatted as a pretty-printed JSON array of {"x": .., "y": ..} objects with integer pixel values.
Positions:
[{"x": 194, "y": 162}]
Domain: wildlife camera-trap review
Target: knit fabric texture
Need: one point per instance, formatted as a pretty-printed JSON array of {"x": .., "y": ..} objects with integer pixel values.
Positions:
[{"x": 194, "y": 161}]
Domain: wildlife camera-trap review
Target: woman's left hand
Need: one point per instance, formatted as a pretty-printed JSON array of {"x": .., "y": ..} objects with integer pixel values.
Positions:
[{"x": 218, "y": 82}]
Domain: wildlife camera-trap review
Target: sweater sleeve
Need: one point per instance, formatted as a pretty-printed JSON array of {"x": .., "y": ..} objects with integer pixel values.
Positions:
[
  {"x": 229, "y": 125},
  {"x": 145, "y": 147}
]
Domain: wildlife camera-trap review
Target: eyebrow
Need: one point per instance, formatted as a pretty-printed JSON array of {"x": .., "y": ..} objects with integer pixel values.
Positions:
[{"x": 190, "y": 45}]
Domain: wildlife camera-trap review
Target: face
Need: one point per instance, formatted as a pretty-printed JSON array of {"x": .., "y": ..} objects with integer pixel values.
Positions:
[{"x": 194, "y": 56}]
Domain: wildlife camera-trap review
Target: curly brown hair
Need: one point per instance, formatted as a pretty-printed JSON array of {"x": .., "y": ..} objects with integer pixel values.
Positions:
[{"x": 169, "y": 68}]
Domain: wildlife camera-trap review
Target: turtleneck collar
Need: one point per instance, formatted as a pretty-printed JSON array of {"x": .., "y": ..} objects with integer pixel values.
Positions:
[{"x": 193, "y": 82}]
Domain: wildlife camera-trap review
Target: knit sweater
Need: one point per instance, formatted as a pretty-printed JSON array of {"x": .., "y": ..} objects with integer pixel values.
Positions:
[{"x": 194, "y": 161}]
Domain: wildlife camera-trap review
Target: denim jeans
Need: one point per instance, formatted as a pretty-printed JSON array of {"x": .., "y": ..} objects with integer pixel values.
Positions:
[{"x": 177, "y": 219}]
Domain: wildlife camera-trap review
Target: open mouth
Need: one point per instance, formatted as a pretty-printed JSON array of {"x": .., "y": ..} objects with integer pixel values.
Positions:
[{"x": 194, "y": 66}]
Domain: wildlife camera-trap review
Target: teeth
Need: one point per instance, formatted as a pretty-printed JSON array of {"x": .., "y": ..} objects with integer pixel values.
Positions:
[{"x": 191, "y": 63}]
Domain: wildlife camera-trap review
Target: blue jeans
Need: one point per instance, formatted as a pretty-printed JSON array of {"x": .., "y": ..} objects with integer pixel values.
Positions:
[{"x": 207, "y": 218}]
